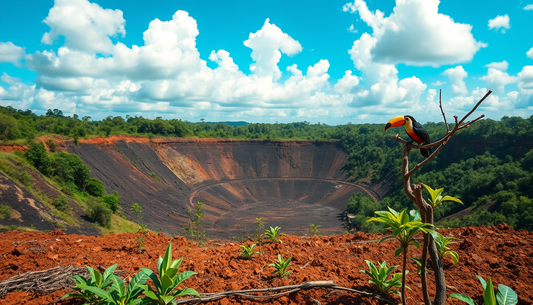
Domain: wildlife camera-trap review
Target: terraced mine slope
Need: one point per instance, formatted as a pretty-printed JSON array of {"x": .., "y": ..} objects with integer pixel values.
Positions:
[{"x": 291, "y": 184}]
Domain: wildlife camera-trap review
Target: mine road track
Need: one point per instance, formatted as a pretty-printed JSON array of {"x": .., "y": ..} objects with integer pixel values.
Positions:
[{"x": 370, "y": 192}]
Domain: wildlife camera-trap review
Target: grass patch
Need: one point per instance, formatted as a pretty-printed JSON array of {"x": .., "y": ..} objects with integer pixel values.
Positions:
[
  {"x": 119, "y": 225},
  {"x": 5, "y": 211},
  {"x": 65, "y": 216},
  {"x": 56, "y": 224},
  {"x": 21, "y": 229},
  {"x": 155, "y": 177}
]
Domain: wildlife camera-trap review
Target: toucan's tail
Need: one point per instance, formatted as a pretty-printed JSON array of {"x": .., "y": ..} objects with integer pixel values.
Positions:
[{"x": 425, "y": 152}]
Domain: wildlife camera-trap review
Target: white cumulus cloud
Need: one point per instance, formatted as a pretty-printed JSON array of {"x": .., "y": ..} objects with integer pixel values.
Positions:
[
  {"x": 417, "y": 34},
  {"x": 456, "y": 76},
  {"x": 267, "y": 44},
  {"x": 530, "y": 53},
  {"x": 497, "y": 79},
  {"x": 502, "y": 66},
  {"x": 500, "y": 22},
  {"x": 11, "y": 53},
  {"x": 86, "y": 26}
]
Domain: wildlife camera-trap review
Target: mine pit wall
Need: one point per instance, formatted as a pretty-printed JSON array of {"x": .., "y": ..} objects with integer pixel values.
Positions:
[{"x": 236, "y": 180}]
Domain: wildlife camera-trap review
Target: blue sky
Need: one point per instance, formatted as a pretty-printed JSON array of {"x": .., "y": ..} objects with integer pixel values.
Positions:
[{"x": 332, "y": 62}]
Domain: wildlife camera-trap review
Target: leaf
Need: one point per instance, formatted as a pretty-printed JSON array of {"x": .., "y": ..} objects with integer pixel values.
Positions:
[
  {"x": 72, "y": 295},
  {"x": 110, "y": 270},
  {"x": 134, "y": 288},
  {"x": 386, "y": 238},
  {"x": 463, "y": 297},
  {"x": 482, "y": 281},
  {"x": 153, "y": 277},
  {"x": 100, "y": 292},
  {"x": 167, "y": 284},
  {"x": 117, "y": 285},
  {"x": 506, "y": 295},
  {"x": 188, "y": 291},
  {"x": 150, "y": 293},
  {"x": 183, "y": 276},
  {"x": 490, "y": 299},
  {"x": 450, "y": 198},
  {"x": 416, "y": 244},
  {"x": 398, "y": 251},
  {"x": 167, "y": 259}
]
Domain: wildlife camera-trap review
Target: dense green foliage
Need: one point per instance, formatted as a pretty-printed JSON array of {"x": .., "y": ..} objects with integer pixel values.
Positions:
[
  {"x": 94, "y": 187},
  {"x": 489, "y": 166},
  {"x": 61, "y": 203},
  {"x": 38, "y": 157},
  {"x": 98, "y": 211},
  {"x": 69, "y": 169}
]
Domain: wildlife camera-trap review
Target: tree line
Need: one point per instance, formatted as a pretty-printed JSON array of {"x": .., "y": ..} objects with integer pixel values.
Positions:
[{"x": 489, "y": 166}]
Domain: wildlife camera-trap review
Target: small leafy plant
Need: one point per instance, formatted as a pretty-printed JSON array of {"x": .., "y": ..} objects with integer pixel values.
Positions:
[
  {"x": 248, "y": 252},
  {"x": 117, "y": 294},
  {"x": 274, "y": 234},
  {"x": 379, "y": 277},
  {"x": 314, "y": 229},
  {"x": 443, "y": 249},
  {"x": 140, "y": 238},
  {"x": 505, "y": 296},
  {"x": 437, "y": 199},
  {"x": 259, "y": 225},
  {"x": 167, "y": 281},
  {"x": 404, "y": 227},
  {"x": 96, "y": 280},
  {"x": 281, "y": 266}
]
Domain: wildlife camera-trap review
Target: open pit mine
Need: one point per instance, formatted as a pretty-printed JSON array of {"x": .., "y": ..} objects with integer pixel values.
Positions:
[{"x": 290, "y": 184}]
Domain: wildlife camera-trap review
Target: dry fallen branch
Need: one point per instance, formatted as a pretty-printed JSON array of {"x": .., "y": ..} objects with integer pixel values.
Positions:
[
  {"x": 291, "y": 289},
  {"x": 44, "y": 281}
]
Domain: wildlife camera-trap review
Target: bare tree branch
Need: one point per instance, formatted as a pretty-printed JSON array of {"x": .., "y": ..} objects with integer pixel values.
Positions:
[{"x": 442, "y": 111}]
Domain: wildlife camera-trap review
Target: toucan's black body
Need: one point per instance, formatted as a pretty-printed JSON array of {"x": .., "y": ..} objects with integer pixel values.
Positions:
[
  {"x": 414, "y": 129},
  {"x": 422, "y": 134}
]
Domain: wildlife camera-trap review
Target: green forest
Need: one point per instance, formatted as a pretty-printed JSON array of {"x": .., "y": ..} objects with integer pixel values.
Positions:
[{"x": 489, "y": 166}]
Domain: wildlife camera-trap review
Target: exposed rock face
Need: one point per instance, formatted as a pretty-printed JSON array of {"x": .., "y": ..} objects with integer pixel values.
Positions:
[{"x": 291, "y": 184}]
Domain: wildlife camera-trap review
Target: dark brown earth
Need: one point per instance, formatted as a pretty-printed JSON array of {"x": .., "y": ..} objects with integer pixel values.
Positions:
[
  {"x": 290, "y": 183},
  {"x": 498, "y": 252}
]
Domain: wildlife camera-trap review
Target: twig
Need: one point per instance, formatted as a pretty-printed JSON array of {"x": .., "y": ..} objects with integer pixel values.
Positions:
[
  {"x": 442, "y": 111},
  {"x": 291, "y": 289}
]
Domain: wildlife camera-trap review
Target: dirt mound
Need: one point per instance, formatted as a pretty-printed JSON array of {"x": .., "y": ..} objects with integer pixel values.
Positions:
[
  {"x": 497, "y": 252},
  {"x": 232, "y": 177}
]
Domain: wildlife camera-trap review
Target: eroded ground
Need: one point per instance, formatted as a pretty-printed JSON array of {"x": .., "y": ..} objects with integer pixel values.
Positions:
[{"x": 499, "y": 252}]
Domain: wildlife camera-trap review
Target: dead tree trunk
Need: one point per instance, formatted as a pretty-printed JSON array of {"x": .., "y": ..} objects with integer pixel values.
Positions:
[{"x": 414, "y": 193}]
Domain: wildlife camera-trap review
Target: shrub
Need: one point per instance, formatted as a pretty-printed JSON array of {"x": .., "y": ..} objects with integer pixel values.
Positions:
[
  {"x": 112, "y": 201},
  {"x": 99, "y": 212},
  {"x": 95, "y": 187},
  {"x": 61, "y": 203},
  {"x": 5, "y": 211},
  {"x": 52, "y": 145},
  {"x": 38, "y": 157},
  {"x": 70, "y": 169}
]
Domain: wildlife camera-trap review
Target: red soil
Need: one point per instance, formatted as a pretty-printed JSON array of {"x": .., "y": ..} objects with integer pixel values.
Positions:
[
  {"x": 13, "y": 148},
  {"x": 497, "y": 252}
]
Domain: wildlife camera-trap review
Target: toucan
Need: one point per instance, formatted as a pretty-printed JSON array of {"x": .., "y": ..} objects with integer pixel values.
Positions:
[{"x": 414, "y": 129}]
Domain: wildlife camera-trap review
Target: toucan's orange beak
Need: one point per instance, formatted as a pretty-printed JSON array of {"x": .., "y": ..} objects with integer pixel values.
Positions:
[{"x": 396, "y": 122}]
